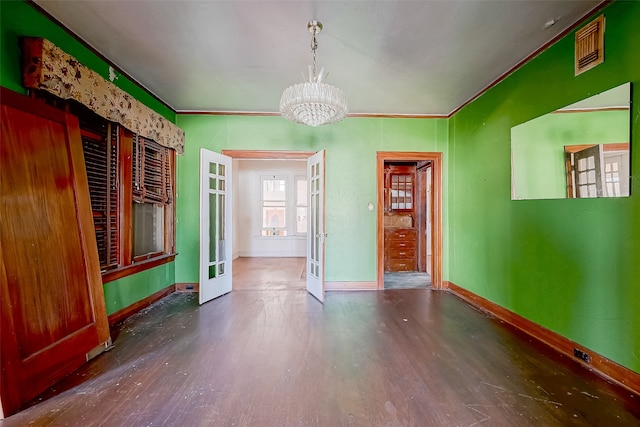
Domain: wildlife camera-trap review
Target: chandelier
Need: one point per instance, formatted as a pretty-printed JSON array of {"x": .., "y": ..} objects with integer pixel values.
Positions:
[{"x": 313, "y": 103}]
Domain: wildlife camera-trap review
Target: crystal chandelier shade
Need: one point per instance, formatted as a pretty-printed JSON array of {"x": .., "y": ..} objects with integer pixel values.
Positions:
[{"x": 313, "y": 103}]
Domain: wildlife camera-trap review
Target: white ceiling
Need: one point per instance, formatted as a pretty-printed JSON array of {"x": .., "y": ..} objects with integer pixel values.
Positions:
[{"x": 389, "y": 57}]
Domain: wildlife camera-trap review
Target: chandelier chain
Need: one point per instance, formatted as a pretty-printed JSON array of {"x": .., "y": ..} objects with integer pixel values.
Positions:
[{"x": 314, "y": 47}]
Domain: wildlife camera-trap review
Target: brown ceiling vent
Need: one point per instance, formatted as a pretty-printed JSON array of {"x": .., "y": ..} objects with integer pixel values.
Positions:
[{"x": 590, "y": 45}]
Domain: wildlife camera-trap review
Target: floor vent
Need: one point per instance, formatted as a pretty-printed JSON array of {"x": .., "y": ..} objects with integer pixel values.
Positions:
[{"x": 590, "y": 45}]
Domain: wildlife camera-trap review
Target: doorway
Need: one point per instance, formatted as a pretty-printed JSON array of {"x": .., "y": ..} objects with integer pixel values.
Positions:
[
  {"x": 409, "y": 236},
  {"x": 286, "y": 196},
  {"x": 270, "y": 223}
]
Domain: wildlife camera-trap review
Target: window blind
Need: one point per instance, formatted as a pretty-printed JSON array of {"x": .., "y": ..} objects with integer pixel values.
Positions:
[
  {"x": 151, "y": 172},
  {"x": 100, "y": 146}
]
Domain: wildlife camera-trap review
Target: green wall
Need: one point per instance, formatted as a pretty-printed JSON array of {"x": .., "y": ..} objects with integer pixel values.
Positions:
[
  {"x": 351, "y": 147},
  {"x": 572, "y": 266},
  {"x": 537, "y": 148},
  {"x": 18, "y": 19},
  {"x": 131, "y": 289}
]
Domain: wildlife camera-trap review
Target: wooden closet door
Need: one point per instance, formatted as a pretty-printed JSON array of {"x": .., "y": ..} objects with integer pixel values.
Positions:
[{"x": 53, "y": 310}]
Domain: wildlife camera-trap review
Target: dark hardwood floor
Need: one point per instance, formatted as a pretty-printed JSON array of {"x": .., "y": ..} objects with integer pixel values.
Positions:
[{"x": 265, "y": 357}]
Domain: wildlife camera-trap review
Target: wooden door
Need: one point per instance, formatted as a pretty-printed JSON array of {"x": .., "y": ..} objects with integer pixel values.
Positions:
[
  {"x": 215, "y": 225},
  {"x": 315, "y": 225},
  {"x": 53, "y": 312},
  {"x": 424, "y": 215}
]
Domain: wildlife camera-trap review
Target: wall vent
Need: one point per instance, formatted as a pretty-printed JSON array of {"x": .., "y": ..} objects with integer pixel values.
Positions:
[{"x": 590, "y": 45}]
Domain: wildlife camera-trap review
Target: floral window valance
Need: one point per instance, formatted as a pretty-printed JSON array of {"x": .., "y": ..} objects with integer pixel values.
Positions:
[{"x": 47, "y": 67}]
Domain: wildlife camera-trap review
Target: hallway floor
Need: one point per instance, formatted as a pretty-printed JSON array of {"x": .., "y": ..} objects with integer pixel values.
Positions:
[
  {"x": 407, "y": 280},
  {"x": 265, "y": 273},
  {"x": 277, "y": 357}
]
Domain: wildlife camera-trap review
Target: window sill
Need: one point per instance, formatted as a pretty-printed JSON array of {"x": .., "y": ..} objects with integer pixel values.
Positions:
[{"x": 136, "y": 267}]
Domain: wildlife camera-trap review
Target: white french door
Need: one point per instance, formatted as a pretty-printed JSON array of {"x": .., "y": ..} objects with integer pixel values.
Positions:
[
  {"x": 589, "y": 172},
  {"x": 215, "y": 225},
  {"x": 315, "y": 225}
]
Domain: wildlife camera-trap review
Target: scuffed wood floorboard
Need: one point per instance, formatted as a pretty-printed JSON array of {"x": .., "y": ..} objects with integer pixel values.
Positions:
[{"x": 372, "y": 358}]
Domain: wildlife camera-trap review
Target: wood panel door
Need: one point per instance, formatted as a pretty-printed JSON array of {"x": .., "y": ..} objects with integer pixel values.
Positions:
[{"x": 52, "y": 311}]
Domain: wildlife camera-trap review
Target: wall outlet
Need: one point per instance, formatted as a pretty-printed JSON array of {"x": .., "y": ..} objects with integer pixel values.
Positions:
[{"x": 581, "y": 355}]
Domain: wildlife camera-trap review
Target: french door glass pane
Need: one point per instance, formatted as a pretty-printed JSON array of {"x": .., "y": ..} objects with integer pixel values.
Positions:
[
  {"x": 221, "y": 228},
  {"x": 213, "y": 237}
]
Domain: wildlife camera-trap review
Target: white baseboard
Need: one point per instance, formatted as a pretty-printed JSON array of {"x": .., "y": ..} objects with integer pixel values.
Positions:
[{"x": 275, "y": 254}]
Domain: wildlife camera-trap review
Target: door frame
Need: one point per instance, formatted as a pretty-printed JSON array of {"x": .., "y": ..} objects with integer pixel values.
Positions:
[
  {"x": 271, "y": 155},
  {"x": 268, "y": 154},
  {"x": 436, "y": 159}
]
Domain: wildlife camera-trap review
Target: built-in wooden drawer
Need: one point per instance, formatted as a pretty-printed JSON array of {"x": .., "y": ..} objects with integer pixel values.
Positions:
[
  {"x": 395, "y": 245},
  {"x": 401, "y": 265},
  {"x": 400, "y": 234},
  {"x": 400, "y": 249},
  {"x": 402, "y": 253}
]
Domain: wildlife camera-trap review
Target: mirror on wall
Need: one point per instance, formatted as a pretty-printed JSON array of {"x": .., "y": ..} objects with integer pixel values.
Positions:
[{"x": 578, "y": 151}]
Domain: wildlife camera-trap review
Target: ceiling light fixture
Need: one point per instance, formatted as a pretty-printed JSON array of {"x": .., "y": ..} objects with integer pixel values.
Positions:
[{"x": 313, "y": 103}]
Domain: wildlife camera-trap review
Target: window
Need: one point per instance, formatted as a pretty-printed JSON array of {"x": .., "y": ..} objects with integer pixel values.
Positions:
[
  {"x": 131, "y": 187},
  {"x": 152, "y": 191},
  {"x": 283, "y": 205},
  {"x": 274, "y": 206},
  {"x": 401, "y": 191},
  {"x": 301, "y": 205},
  {"x": 148, "y": 229}
]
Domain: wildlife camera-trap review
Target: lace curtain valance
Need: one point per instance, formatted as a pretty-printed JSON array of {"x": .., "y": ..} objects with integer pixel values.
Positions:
[{"x": 47, "y": 67}]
